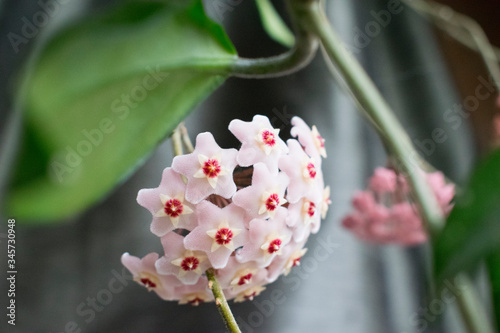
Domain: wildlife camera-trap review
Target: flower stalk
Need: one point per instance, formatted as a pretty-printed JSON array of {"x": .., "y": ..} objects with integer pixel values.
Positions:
[
  {"x": 177, "y": 141},
  {"x": 185, "y": 138},
  {"x": 221, "y": 302}
]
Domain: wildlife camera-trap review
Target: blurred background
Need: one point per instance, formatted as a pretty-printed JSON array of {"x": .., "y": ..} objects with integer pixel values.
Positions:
[{"x": 343, "y": 285}]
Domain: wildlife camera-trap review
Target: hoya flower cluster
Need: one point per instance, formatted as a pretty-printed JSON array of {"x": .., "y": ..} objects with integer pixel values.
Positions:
[
  {"x": 385, "y": 213},
  {"x": 245, "y": 213}
]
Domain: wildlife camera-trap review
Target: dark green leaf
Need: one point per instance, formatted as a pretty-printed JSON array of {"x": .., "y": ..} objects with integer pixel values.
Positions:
[
  {"x": 473, "y": 227},
  {"x": 103, "y": 95}
]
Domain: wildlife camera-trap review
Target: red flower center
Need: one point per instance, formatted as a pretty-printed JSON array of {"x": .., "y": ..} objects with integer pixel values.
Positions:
[
  {"x": 211, "y": 168},
  {"x": 148, "y": 283},
  {"x": 173, "y": 208},
  {"x": 311, "y": 169},
  {"x": 274, "y": 246},
  {"x": 250, "y": 296},
  {"x": 268, "y": 138},
  {"x": 223, "y": 236},
  {"x": 190, "y": 263},
  {"x": 296, "y": 262},
  {"x": 244, "y": 279},
  {"x": 196, "y": 301},
  {"x": 272, "y": 202},
  {"x": 311, "y": 209}
]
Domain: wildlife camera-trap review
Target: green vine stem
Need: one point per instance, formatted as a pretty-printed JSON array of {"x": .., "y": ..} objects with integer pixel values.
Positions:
[
  {"x": 281, "y": 65},
  {"x": 353, "y": 76},
  {"x": 221, "y": 302},
  {"x": 306, "y": 45}
]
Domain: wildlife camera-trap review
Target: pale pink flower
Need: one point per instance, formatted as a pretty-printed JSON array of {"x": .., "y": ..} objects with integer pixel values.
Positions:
[
  {"x": 325, "y": 202},
  {"x": 266, "y": 240},
  {"x": 249, "y": 293},
  {"x": 166, "y": 203},
  {"x": 313, "y": 142},
  {"x": 209, "y": 169},
  {"x": 237, "y": 277},
  {"x": 294, "y": 260},
  {"x": 144, "y": 273},
  {"x": 292, "y": 254},
  {"x": 266, "y": 194},
  {"x": 243, "y": 281},
  {"x": 195, "y": 294},
  {"x": 305, "y": 216},
  {"x": 302, "y": 170},
  {"x": 219, "y": 233},
  {"x": 187, "y": 265},
  {"x": 260, "y": 142}
]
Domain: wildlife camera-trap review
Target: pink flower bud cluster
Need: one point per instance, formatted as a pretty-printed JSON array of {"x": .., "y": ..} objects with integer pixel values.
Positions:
[
  {"x": 245, "y": 213},
  {"x": 385, "y": 213}
]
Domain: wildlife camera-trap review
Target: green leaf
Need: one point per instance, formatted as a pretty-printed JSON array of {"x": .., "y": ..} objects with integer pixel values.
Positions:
[
  {"x": 273, "y": 24},
  {"x": 493, "y": 263},
  {"x": 473, "y": 227},
  {"x": 104, "y": 94}
]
